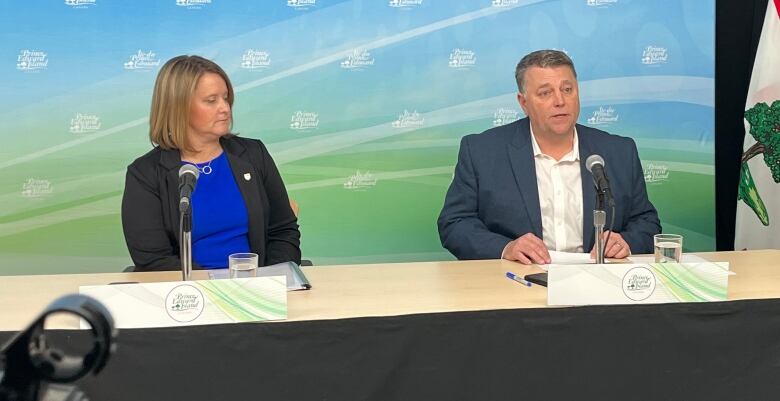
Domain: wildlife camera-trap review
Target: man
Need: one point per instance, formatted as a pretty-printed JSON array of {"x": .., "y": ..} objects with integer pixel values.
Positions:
[{"x": 522, "y": 189}]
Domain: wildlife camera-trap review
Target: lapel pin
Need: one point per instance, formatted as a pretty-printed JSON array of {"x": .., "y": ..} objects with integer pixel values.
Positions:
[{"x": 247, "y": 176}]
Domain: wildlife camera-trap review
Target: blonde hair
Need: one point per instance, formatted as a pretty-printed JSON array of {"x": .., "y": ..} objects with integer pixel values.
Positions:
[{"x": 172, "y": 96}]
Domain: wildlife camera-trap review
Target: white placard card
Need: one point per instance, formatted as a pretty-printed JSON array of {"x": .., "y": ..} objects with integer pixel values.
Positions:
[
  {"x": 186, "y": 303},
  {"x": 624, "y": 283}
]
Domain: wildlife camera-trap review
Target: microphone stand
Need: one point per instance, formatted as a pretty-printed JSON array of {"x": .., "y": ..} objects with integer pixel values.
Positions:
[
  {"x": 185, "y": 239},
  {"x": 599, "y": 220}
]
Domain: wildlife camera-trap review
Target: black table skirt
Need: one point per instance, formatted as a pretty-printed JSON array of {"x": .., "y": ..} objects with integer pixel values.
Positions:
[{"x": 712, "y": 351}]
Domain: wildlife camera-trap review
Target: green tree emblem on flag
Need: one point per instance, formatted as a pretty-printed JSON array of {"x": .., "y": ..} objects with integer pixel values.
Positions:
[{"x": 764, "y": 123}]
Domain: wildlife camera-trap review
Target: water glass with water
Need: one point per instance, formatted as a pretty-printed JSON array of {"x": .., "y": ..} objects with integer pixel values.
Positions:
[
  {"x": 668, "y": 248},
  {"x": 241, "y": 265}
]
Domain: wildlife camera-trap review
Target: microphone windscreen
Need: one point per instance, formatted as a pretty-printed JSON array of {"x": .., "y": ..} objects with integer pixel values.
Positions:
[
  {"x": 592, "y": 160},
  {"x": 189, "y": 169}
]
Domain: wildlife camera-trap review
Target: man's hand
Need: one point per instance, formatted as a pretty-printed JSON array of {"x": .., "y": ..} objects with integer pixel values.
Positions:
[
  {"x": 617, "y": 248},
  {"x": 528, "y": 249}
]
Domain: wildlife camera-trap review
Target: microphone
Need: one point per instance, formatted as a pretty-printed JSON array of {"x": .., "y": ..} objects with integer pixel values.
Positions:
[
  {"x": 595, "y": 164},
  {"x": 188, "y": 177}
]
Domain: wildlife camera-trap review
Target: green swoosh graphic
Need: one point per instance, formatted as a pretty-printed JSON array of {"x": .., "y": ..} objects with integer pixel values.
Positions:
[
  {"x": 692, "y": 282},
  {"x": 241, "y": 302}
]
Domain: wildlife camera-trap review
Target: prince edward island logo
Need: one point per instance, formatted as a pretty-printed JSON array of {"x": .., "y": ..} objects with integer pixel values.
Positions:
[
  {"x": 304, "y": 121},
  {"x": 192, "y": 4},
  {"x": 84, "y": 123},
  {"x": 405, "y": 3},
  {"x": 360, "y": 181},
  {"x": 80, "y": 3},
  {"x": 255, "y": 59},
  {"x": 462, "y": 58},
  {"x": 32, "y": 60},
  {"x": 504, "y": 116},
  {"x": 36, "y": 188},
  {"x": 301, "y": 4},
  {"x": 603, "y": 116},
  {"x": 358, "y": 60},
  {"x": 143, "y": 61},
  {"x": 656, "y": 173},
  {"x": 653, "y": 55},
  {"x": 409, "y": 120},
  {"x": 184, "y": 303},
  {"x": 639, "y": 283},
  {"x": 601, "y": 3}
]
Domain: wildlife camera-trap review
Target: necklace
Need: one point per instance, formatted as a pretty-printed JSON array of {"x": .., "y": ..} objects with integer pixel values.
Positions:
[{"x": 205, "y": 169}]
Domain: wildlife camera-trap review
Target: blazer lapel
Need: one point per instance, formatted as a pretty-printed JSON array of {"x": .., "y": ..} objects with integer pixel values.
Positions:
[
  {"x": 588, "y": 191},
  {"x": 171, "y": 161},
  {"x": 521, "y": 158},
  {"x": 245, "y": 175},
  {"x": 248, "y": 181}
]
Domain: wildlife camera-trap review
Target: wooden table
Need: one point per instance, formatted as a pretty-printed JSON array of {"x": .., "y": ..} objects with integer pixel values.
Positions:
[
  {"x": 348, "y": 291},
  {"x": 440, "y": 331}
]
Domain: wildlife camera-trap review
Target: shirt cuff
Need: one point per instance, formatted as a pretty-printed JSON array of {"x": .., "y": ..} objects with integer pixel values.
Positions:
[{"x": 505, "y": 248}]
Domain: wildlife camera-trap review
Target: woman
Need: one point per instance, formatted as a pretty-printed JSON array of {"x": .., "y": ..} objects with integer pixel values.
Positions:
[{"x": 239, "y": 204}]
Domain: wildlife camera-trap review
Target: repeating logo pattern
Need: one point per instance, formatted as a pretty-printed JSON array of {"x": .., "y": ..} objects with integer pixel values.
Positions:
[
  {"x": 80, "y": 3},
  {"x": 358, "y": 60},
  {"x": 408, "y": 120},
  {"x": 192, "y": 4},
  {"x": 462, "y": 58},
  {"x": 301, "y": 4},
  {"x": 84, "y": 123},
  {"x": 405, "y": 3},
  {"x": 143, "y": 61},
  {"x": 652, "y": 55},
  {"x": 504, "y": 116},
  {"x": 505, "y": 3},
  {"x": 656, "y": 173},
  {"x": 32, "y": 60},
  {"x": 360, "y": 181},
  {"x": 304, "y": 121},
  {"x": 36, "y": 188},
  {"x": 603, "y": 116},
  {"x": 601, "y": 3},
  {"x": 432, "y": 72},
  {"x": 255, "y": 59}
]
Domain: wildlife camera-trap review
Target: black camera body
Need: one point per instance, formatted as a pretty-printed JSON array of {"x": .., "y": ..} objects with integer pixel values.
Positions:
[{"x": 33, "y": 370}]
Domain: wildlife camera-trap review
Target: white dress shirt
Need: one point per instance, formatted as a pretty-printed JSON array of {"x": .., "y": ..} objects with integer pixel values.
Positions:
[{"x": 560, "y": 197}]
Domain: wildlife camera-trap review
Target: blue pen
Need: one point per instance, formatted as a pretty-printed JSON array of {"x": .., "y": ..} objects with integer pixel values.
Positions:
[{"x": 520, "y": 280}]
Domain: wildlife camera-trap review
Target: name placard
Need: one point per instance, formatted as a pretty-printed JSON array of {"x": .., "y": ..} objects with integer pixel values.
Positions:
[
  {"x": 619, "y": 283},
  {"x": 187, "y": 303}
]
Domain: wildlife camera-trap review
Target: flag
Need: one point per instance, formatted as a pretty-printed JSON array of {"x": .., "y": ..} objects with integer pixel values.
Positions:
[{"x": 758, "y": 208}]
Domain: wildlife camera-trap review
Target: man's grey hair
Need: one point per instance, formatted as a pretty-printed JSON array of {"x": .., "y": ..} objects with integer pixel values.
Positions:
[{"x": 542, "y": 59}]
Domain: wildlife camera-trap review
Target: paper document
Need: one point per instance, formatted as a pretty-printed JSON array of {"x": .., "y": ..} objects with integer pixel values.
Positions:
[
  {"x": 570, "y": 258},
  {"x": 296, "y": 280}
]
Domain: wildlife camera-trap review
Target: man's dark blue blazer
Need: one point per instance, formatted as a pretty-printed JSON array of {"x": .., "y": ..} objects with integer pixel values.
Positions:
[{"x": 493, "y": 198}]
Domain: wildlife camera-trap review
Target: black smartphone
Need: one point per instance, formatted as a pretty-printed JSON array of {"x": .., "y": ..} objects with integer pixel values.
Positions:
[{"x": 538, "y": 278}]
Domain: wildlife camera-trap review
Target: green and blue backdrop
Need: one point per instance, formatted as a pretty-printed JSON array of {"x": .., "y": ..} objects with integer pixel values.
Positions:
[{"x": 361, "y": 103}]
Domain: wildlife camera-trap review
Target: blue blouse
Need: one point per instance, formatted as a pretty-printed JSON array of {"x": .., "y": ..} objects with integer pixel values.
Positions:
[{"x": 220, "y": 222}]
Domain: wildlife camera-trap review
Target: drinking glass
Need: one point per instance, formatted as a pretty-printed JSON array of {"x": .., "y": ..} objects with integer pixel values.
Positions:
[
  {"x": 668, "y": 248},
  {"x": 241, "y": 265}
]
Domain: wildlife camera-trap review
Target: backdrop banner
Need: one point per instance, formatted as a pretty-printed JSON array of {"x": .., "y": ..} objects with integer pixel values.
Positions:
[{"x": 362, "y": 105}]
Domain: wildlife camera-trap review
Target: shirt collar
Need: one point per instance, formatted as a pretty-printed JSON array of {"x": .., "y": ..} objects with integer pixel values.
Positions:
[{"x": 573, "y": 155}]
